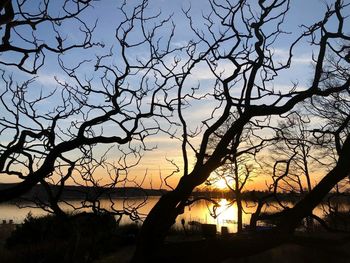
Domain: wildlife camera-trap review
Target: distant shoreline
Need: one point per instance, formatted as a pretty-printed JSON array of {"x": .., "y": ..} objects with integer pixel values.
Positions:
[
  {"x": 85, "y": 192},
  {"x": 71, "y": 193}
]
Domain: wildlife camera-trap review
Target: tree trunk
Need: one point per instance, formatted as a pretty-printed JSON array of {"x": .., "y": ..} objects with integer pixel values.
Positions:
[
  {"x": 238, "y": 197},
  {"x": 159, "y": 220},
  {"x": 53, "y": 199},
  {"x": 239, "y": 212},
  {"x": 255, "y": 216},
  {"x": 164, "y": 213},
  {"x": 304, "y": 208},
  {"x": 309, "y": 219}
]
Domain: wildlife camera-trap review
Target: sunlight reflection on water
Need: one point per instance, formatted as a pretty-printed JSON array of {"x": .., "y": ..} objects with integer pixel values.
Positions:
[{"x": 201, "y": 212}]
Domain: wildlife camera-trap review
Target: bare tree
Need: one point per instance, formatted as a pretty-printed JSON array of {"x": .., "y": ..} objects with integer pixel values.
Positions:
[
  {"x": 59, "y": 143},
  {"x": 236, "y": 175},
  {"x": 140, "y": 96},
  {"x": 31, "y": 30},
  {"x": 244, "y": 40},
  {"x": 295, "y": 144},
  {"x": 238, "y": 169}
]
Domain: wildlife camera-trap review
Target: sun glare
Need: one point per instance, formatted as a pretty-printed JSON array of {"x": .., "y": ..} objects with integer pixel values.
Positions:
[{"x": 221, "y": 184}]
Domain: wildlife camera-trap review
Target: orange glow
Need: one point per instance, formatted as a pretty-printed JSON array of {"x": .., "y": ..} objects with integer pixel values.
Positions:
[{"x": 220, "y": 184}]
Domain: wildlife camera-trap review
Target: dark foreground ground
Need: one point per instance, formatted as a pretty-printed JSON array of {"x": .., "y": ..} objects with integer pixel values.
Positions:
[
  {"x": 315, "y": 247},
  {"x": 245, "y": 248}
]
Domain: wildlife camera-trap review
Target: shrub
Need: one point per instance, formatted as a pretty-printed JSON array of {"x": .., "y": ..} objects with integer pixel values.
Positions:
[
  {"x": 76, "y": 238},
  {"x": 339, "y": 220}
]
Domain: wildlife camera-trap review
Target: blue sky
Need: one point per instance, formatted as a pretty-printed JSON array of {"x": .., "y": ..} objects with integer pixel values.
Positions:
[{"x": 108, "y": 16}]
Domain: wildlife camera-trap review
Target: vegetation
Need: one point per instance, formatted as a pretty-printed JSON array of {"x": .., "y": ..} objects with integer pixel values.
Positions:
[
  {"x": 83, "y": 237},
  {"x": 78, "y": 238},
  {"x": 245, "y": 40}
]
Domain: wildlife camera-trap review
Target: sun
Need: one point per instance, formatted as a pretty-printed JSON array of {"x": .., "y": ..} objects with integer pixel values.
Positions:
[{"x": 221, "y": 184}]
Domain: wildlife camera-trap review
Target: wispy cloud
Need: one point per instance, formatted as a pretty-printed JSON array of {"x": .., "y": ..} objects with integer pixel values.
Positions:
[
  {"x": 49, "y": 79},
  {"x": 282, "y": 55}
]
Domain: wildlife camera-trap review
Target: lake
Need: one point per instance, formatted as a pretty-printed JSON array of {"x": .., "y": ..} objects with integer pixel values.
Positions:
[{"x": 226, "y": 214}]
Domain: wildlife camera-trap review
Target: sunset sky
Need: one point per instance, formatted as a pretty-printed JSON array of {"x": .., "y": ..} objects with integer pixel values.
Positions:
[{"x": 156, "y": 163}]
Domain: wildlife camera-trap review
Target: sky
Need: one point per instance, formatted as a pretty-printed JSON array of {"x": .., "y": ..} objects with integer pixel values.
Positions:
[{"x": 159, "y": 162}]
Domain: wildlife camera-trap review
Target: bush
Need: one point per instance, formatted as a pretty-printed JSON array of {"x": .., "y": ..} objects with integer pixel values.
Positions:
[
  {"x": 339, "y": 220},
  {"x": 76, "y": 238},
  {"x": 128, "y": 233}
]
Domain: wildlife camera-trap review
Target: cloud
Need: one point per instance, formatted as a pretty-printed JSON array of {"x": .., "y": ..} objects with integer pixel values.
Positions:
[
  {"x": 282, "y": 55},
  {"x": 49, "y": 79},
  {"x": 202, "y": 71}
]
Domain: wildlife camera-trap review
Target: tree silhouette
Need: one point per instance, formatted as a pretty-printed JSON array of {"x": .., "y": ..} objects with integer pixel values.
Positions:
[
  {"x": 25, "y": 39},
  {"x": 238, "y": 168},
  {"x": 296, "y": 144},
  {"x": 55, "y": 143},
  {"x": 244, "y": 38},
  {"x": 153, "y": 88}
]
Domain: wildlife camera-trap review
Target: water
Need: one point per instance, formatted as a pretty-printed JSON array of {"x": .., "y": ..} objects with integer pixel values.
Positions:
[{"x": 201, "y": 211}]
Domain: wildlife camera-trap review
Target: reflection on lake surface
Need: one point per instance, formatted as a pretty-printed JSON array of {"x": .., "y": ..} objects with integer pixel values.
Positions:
[{"x": 201, "y": 211}]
